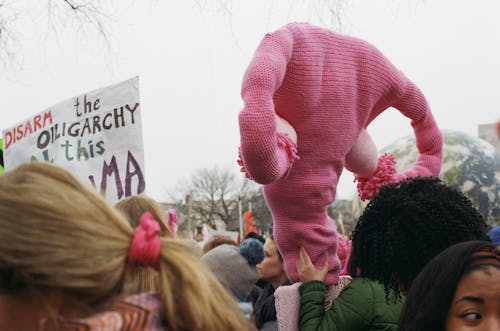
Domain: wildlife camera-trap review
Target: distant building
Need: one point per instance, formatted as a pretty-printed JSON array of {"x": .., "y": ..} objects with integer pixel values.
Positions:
[{"x": 489, "y": 133}]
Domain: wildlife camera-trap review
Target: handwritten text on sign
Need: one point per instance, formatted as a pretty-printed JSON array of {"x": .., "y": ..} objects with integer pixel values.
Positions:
[{"x": 94, "y": 135}]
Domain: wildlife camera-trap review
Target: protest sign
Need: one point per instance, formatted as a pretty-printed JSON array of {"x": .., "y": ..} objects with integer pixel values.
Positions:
[{"x": 97, "y": 136}]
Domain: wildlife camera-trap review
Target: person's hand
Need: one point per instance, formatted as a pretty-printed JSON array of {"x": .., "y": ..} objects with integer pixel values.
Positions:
[{"x": 307, "y": 271}]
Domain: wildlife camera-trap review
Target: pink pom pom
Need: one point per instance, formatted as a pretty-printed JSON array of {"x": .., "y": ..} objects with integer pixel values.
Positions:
[{"x": 384, "y": 174}]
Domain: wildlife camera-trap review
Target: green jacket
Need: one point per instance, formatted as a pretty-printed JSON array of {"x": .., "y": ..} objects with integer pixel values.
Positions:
[{"x": 360, "y": 306}]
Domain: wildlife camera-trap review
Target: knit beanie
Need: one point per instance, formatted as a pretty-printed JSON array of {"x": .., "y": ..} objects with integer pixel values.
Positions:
[
  {"x": 252, "y": 250},
  {"x": 494, "y": 235},
  {"x": 231, "y": 269}
]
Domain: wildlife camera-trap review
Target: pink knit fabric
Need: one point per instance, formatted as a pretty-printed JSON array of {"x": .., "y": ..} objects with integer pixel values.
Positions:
[
  {"x": 328, "y": 87},
  {"x": 343, "y": 250}
]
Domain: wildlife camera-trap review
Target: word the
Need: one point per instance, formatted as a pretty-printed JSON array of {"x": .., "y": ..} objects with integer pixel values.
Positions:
[{"x": 88, "y": 106}]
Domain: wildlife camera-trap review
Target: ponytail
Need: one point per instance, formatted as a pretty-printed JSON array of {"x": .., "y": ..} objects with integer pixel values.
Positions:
[{"x": 192, "y": 297}]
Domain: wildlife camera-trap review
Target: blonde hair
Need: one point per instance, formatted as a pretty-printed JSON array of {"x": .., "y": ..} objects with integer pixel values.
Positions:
[
  {"x": 59, "y": 235},
  {"x": 134, "y": 206},
  {"x": 139, "y": 279}
]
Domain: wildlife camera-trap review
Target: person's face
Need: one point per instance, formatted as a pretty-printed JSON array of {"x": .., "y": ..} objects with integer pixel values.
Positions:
[
  {"x": 271, "y": 267},
  {"x": 476, "y": 302},
  {"x": 402, "y": 289}
]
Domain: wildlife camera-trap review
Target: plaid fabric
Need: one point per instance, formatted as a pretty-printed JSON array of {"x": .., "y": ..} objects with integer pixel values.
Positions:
[{"x": 140, "y": 312}]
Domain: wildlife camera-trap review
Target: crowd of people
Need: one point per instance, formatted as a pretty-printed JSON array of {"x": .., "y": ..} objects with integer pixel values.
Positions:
[
  {"x": 421, "y": 257},
  {"x": 66, "y": 255}
]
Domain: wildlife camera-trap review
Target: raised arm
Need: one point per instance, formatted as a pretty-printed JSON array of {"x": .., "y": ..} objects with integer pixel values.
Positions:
[
  {"x": 265, "y": 153},
  {"x": 428, "y": 136}
]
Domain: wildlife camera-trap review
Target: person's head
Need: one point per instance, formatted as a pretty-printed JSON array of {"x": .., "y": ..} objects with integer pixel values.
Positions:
[
  {"x": 252, "y": 250},
  {"x": 139, "y": 280},
  {"x": 234, "y": 267},
  {"x": 405, "y": 225},
  {"x": 459, "y": 289},
  {"x": 494, "y": 235},
  {"x": 134, "y": 206},
  {"x": 272, "y": 268},
  {"x": 255, "y": 235},
  {"x": 60, "y": 236},
  {"x": 217, "y": 241}
]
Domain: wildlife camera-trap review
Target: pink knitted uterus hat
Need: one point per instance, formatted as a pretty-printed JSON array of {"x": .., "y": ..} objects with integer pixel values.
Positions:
[{"x": 309, "y": 95}]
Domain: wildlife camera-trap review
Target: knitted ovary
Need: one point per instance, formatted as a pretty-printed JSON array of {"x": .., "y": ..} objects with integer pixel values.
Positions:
[{"x": 328, "y": 87}]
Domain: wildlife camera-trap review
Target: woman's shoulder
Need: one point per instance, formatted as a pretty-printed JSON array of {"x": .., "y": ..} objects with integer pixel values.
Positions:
[
  {"x": 363, "y": 284},
  {"x": 364, "y": 290}
]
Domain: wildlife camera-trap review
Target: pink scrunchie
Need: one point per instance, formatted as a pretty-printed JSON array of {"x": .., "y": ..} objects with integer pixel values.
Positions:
[{"x": 145, "y": 247}]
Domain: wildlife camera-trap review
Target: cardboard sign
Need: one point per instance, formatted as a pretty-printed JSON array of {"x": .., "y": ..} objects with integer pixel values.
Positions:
[{"x": 96, "y": 136}]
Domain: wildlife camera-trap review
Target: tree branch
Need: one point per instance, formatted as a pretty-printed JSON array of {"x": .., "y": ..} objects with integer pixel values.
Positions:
[{"x": 72, "y": 5}]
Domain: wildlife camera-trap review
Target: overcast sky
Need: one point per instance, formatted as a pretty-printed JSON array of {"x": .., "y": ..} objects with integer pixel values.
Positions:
[{"x": 191, "y": 55}]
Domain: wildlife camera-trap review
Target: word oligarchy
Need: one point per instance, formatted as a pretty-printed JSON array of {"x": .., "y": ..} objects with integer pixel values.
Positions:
[{"x": 115, "y": 118}]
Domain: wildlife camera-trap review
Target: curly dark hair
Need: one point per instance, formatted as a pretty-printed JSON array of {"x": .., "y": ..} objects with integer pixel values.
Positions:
[{"x": 408, "y": 223}]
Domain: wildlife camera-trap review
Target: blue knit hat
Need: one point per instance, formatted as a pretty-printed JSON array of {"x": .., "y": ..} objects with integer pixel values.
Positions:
[
  {"x": 252, "y": 250},
  {"x": 494, "y": 235}
]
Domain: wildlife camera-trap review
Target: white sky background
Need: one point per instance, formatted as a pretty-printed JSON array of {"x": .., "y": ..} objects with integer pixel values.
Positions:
[{"x": 191, "y": 59}]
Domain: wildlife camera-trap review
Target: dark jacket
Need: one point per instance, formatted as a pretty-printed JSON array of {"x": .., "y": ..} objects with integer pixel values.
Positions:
[
  {"x": 264, "y": 309},
  {"x": 360, "y": 306}
]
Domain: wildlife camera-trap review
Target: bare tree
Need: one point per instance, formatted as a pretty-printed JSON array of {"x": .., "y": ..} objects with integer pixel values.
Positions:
[
  {"x": 83, "y": 16},
  {"x": 215, "y": 193},
  {"x": 8, "y": 15},
  {"x": 86, "y": 16}
]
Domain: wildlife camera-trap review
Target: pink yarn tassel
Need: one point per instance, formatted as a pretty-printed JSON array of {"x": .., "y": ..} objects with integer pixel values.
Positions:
[
  {"x": 384, "y": 174},
  {"x": 284, "y": 142}
]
